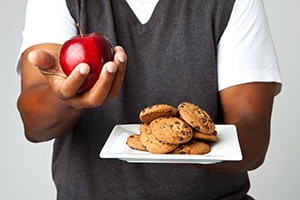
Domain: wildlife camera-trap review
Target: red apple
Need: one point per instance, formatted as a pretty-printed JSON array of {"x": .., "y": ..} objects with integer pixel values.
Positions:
[{"x": 93, "y": 49}]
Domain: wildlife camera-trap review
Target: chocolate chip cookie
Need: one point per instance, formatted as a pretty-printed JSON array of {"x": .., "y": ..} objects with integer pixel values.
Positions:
[
  {"x": 193, "y": 147},
  {"x": 196, "y": 117},
  {"x": 171, "y": 130},
  {"x": 206, "y": 137},
  {"x": 152, "y": 144},
  {"x": 159, "y": 110},
  {"x": 134, "y": 142}
]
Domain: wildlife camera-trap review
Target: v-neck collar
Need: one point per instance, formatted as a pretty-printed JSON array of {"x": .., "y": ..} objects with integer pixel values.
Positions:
[
  {"x": 133, "y": 19},
  {"x": 142, "y": 9}
]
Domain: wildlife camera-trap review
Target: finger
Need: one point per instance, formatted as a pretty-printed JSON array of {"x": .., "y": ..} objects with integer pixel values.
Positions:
[
  {"x": 108, "y": 84},
  {"x": 75, "y": 80},
  {"x": 98, "y": 93},
  {"x": 110, "y": 80},
  {"x": 120, "y": 60},
  {"x": 120, "y": 55},
  {"x": 42, "y": 59}
]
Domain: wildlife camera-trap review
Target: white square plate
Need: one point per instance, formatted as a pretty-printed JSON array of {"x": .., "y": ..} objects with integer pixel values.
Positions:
[{"x": 227, "y": 148}]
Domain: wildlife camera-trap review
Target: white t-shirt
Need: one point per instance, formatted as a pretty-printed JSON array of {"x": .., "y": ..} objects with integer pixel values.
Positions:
[{"x": 245, "y": 52}]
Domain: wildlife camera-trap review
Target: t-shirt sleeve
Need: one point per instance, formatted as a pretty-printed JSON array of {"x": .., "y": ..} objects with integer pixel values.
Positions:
[
  {"x": 246, "y": 51},
  {"x": 46, "y": 21}
]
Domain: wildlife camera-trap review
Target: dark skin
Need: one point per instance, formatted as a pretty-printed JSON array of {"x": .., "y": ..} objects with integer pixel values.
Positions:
[{"x": 49, "y": 104}]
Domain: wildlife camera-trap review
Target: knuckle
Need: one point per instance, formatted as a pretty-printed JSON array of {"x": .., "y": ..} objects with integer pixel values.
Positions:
[
  {"x": 93, "y": 102},
  {"x": 65, "y": 93}
]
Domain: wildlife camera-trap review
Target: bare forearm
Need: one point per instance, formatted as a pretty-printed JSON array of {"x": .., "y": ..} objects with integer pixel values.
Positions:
[
  {"x": 252, "y": 116},
  {"x": 49, "y": 103},
  {"x": 45, "y": 116},
  {"x": 254, "y": 141}
]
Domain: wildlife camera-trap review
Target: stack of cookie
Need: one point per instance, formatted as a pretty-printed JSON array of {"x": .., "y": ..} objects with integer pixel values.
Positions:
[{"x": 187, "y": 129}]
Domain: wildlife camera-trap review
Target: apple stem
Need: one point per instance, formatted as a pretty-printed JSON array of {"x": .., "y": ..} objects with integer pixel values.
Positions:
[{"x": 80, "y": 30}]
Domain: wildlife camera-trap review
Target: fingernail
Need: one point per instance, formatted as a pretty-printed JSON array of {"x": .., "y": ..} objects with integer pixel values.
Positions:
[
  {"x": 121, "y": 58},
  {"x": 84, "y": 69},
  {"x": 111, "y": 68}
]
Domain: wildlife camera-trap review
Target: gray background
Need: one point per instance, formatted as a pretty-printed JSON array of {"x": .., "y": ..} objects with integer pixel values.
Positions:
[{"x": 25, "y": 169}]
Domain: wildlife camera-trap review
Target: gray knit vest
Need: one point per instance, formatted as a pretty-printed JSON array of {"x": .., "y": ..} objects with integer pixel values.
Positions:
[{"x": 171, "y": 59}]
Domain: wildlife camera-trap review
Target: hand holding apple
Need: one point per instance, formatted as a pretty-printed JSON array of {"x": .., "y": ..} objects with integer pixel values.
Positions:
[{"x": 93, "y": 49}]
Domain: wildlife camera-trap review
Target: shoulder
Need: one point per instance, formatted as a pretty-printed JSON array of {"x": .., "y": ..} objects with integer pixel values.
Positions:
[
  {"x": 47, "y": 21},
  {"x": 246, "y": 51},
  {"x": 247, "y": 7}
]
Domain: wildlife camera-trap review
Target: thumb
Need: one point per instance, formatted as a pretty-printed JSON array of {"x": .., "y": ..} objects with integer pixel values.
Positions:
[{"x": 42, "y": 59}]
